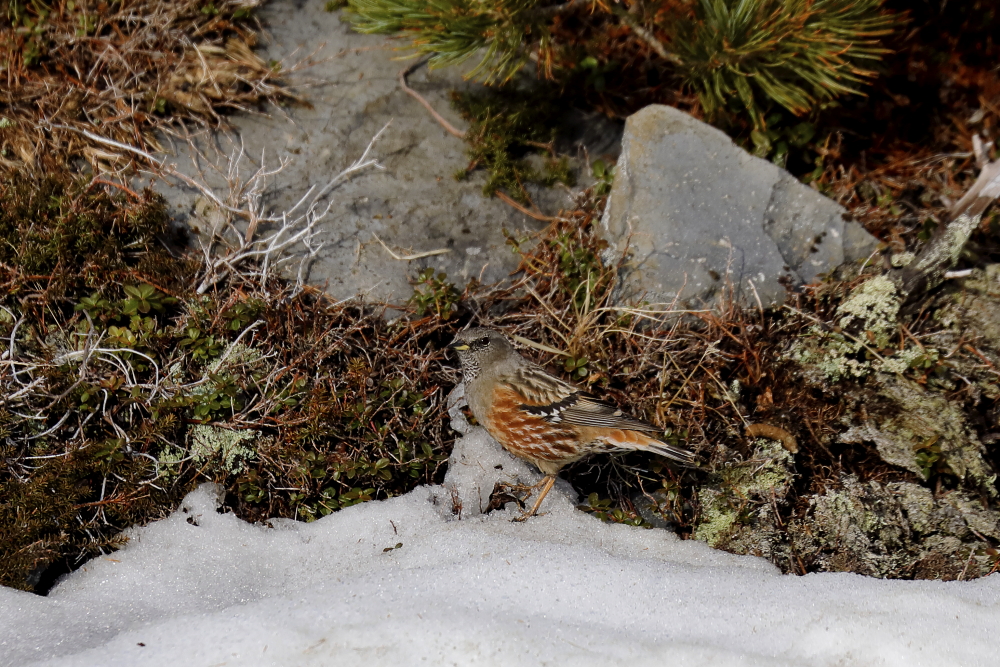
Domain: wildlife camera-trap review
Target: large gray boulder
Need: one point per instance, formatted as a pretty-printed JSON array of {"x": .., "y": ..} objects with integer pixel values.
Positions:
[{"x": 692, "y": 210}]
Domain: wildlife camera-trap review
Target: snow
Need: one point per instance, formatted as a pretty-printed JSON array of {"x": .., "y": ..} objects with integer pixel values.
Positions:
[{"x": 205, "y": 588}]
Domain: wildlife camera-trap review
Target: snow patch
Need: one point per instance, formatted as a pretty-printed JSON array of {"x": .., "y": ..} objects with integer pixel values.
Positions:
[{"x": 204, "y": 588}]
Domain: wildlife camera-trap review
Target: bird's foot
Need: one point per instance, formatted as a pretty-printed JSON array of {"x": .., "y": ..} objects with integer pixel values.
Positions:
[
  {"x": 527, "y": 489},
  {"x": 546, "y": 485}
]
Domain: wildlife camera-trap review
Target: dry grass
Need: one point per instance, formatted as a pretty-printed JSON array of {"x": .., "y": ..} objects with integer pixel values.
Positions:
[
  {"x": 716, "y": 381},
  {"x": 688, "y": 372},
  {"x": 123, "y": 384},
  {"x": 122, "y": 68}
]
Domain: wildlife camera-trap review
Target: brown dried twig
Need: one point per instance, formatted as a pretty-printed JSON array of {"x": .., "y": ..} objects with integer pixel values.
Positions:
[{"x": 407, "y": 71}]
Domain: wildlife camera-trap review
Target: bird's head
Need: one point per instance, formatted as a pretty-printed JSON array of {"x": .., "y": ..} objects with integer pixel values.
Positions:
[{"x": 480, "y": 348}]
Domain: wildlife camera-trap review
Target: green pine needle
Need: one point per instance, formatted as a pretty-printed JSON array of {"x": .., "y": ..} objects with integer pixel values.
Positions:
[
  {"x": 455, "y": 30},
  {"x": 796, "y": 53}
]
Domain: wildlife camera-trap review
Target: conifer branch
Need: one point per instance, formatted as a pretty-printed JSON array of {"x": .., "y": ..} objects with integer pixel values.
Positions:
[{"x": 757, "y": 53}]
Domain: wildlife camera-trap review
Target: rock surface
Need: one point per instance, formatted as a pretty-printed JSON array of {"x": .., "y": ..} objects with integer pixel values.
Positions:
[
  {"x": 415, "y": 205},
  {"x": 691, "y": 208}
]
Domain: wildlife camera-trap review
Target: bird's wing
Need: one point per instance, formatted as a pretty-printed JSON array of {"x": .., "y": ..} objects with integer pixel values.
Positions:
[{"x": 559, "y": 402}]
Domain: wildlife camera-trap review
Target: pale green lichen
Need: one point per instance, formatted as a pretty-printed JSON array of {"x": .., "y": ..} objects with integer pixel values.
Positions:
[
  {"x": 236, "y": 355},
  {"x": 717, "y": 516},
  {"x": 923, "y": 432},
  {"x": 901, "y": 259},
  {"x": 930, "y": 426},
  {"x": 232, "y": 447},
  {"x": 734, "y": 389},
  {"x": 175, "y": 372},
  {"x": 209, "y": 442},
  {"x": 867, "y": 323},
  {"x": 975, "y": 307},
  {"x": 874, "y": 305},
  {"x": 923, "y": 407},
  {"x": 857, "y": 528},
  {"x": 169, "y": 463},
  {"x": 896, "y": 529},
  {"x": 907, "y": 358},
  {"x": 738, "y": 505}
]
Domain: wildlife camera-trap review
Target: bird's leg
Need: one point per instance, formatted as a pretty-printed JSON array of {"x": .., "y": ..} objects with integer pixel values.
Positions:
[
  {"x": 546, "y": 485},
  {"x": 540, "y": 483},
  {"x": 528, "y": 490}
]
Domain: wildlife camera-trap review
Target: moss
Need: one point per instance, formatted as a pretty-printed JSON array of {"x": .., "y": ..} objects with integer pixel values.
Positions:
[
  {"x": 62, "y": 235},
  {"x": 58, "y": 513},
  {"x": 318, "y": 407},
  {"x": 506, "y": 124}
]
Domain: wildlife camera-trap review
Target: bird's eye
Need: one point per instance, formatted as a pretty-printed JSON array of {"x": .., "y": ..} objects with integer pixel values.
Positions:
[{"x": 484, "y": 341}]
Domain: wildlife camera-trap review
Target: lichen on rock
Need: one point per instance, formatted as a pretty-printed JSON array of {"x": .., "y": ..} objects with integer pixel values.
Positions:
[
  {"x": 910, "y": 488},
  {"x": 895, "y": 530},
  {"x": 739, "y": 504},
  {"x": 859, "y": 344},
  {"x": 921, "y": 431}
]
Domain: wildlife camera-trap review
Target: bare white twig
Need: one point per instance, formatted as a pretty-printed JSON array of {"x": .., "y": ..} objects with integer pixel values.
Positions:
[{"x": 294, "y": 230}]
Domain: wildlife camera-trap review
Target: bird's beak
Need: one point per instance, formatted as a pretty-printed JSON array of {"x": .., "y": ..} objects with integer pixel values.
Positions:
[{"x": 458, "y": 345}]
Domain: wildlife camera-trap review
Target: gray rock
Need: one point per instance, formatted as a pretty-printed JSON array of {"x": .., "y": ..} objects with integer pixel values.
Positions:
[
  {"x": 414, "y": 206},
  {"x": 691, "y": 209}
]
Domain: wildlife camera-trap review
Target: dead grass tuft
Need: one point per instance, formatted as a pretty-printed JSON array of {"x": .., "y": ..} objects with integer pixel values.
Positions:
[{"x": 125, "y": 68}]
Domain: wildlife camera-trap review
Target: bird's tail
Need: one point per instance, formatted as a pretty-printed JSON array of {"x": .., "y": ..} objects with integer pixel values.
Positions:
[{"x": 635, "y": 440}]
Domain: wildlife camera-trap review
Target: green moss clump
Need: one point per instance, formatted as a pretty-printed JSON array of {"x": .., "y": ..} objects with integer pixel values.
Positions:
[
  {"x": 63, "y": 238},
  {"x": 62, "y": 235},
  {"x": 125, "y": 397},
  {"x": 505, "y": 125}
]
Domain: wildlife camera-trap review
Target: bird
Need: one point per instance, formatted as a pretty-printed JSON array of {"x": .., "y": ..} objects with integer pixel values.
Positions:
[{"x": 541, "y": 418}]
